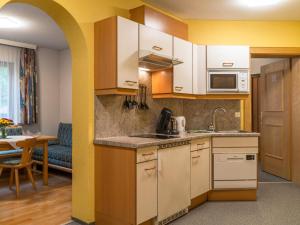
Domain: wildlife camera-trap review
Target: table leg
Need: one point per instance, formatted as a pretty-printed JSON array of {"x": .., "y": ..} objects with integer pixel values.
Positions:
[{"x": 45, "y": 163}]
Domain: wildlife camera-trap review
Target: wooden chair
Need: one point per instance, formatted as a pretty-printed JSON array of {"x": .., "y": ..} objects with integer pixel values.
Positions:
[{"x": 15, "y": 164}]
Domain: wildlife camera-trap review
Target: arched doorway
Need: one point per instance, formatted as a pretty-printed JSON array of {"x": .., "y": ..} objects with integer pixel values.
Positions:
[{"x": 82, "y": 107}]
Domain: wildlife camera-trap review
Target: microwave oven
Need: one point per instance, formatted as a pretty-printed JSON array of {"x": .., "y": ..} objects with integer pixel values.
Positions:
[{"x": 223, "y": 81}]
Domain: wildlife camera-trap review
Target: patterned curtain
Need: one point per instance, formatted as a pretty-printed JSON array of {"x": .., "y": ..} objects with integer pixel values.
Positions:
[{"x": 28, "y": 86}]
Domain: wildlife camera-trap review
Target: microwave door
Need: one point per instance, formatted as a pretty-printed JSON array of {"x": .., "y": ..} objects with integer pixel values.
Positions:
[{"x": 223, "y": 82}]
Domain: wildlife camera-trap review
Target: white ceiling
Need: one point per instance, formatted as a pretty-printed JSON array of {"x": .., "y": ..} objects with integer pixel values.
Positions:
[
  {"x": 36, "y": 27},
  {"x": 229, "y": 9}
]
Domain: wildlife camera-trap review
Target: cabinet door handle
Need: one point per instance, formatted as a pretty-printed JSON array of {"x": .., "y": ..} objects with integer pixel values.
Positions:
[
  {"x": 178, "y": 88},
  {"x": 228, "y": 64},
  {"x": 130, "y": 82},
  {"x": 196, "y": 157},
  {"x": 157, "y": 48},
  {"x": 235, "y": 158}
]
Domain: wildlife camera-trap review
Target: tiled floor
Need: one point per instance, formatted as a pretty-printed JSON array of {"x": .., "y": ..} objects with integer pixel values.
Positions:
[{"x": 277, "y": 204}]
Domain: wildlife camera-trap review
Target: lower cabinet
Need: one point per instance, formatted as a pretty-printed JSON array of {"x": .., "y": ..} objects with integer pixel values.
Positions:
[
  {"x": 200, "y": 172},
  {"x": 146, "y": 181}
]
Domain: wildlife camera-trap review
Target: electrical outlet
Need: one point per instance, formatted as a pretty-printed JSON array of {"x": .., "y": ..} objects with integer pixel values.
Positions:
[{"x": 237, "y": 114}]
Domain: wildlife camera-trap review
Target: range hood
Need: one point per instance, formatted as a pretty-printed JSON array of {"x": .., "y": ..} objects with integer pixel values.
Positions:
[{"x": 151, "y": 61}]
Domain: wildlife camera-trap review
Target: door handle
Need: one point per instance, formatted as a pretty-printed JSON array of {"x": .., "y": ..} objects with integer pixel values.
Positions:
[
  {"x": 157, "y": 48},
  {"x": 228, "y": 64}
]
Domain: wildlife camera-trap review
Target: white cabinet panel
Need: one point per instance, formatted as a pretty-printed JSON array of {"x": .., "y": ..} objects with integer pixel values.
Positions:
[
  {"x": 155, "y": 41},
  {"x": 200, "y": 172},
  {"x": 183, "y": 73},
  {"x": 228, "y": 57},
  {"x": 199, "y": 69},
  {"x": 173, "y": 180},
  {"x": 146, "y": 191},
  {"x": 127, "y": 57}
]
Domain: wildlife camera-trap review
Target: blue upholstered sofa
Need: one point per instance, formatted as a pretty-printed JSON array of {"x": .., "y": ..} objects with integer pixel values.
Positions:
[{"x": 59, "y": 151}]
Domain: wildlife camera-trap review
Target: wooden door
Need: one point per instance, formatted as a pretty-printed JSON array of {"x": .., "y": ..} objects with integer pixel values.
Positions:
[{"x": 275, "y": 119}]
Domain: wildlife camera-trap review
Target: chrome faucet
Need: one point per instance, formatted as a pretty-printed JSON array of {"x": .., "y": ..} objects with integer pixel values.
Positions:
[{"x": 212, "y": 126}]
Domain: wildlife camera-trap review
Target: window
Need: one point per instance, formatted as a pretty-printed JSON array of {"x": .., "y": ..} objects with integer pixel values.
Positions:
[
  {"x": 4, "y": 90},
  {"x": 10, "y": 83}
]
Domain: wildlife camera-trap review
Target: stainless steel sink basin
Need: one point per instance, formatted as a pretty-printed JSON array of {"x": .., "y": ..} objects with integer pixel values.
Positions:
[{"x": 219, "y": 131}]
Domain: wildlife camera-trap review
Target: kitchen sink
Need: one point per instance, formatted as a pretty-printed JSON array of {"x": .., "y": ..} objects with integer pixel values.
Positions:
[{"x": 219, "y": 131}]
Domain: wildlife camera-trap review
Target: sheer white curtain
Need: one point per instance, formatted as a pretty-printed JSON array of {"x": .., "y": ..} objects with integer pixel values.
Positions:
[{"x": 10, "y": 82}]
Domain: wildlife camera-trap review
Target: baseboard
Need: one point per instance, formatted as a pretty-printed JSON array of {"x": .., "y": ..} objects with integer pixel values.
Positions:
[
  {"x": 232, "y": 195},
  {"x": 199, "y": 200},
  {"x": 82, "y": 222}
]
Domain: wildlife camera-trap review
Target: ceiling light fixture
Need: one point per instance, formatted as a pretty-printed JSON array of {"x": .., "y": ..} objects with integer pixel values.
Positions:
[
  {"x": 7, "y": 22},
  {"x": 260, "y": 3}
]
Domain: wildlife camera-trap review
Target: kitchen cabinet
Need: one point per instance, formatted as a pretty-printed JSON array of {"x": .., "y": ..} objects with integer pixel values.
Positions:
[
  {"x": 173, "y": 180},
  {"x": 146, "y": 181},
  {"x": 200, "y": 168},
  {"x": 199, "y": 69},
  {"x": 152, "y": 40},
  {"x": 228, "y": 57},
  {"x": 116, "y": 56},
  {"x": 183, "y": 73}
]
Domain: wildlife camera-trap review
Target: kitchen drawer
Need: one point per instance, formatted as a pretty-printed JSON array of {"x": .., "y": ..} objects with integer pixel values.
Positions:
[
  {"x": 235, "y": 184},
  {"x": 146, "y": 191},
  {"x": 235, "y": 167},
  {"x": 200, "y": 144},
  {"x": 146, "y": 154},
  {"x": 223, "y": 142}
]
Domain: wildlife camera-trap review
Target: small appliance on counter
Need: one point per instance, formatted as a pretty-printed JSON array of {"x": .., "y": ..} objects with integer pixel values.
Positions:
[
  {"x": 166, "y": 123},
  {"x": 180, "y": 124}
]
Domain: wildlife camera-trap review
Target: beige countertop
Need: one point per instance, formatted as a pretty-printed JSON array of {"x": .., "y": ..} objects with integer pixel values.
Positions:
[{"x": 137, "y": 142}]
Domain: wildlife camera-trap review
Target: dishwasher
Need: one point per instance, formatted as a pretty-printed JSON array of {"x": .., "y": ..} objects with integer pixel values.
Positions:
[
  {"x": 174, "y": 171},
  {"x": 233, "y": 170}
]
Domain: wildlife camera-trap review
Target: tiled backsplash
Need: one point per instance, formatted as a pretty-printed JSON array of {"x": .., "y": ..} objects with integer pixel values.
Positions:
[{"x": 111, "y": 119}]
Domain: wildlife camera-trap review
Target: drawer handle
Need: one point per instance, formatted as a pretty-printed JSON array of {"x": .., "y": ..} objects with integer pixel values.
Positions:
[
  {"x": 196, "y": 157},
  {"x": 178, "y": 88},
  {"x": 228, "y": 64},
  {"x": 201, "y": 144},
  {"x": 157, "y": 48},
  {"x": 148, "y": 169},
  {"x": 235, "y": 158},
  {"x": 148, "y": 154}
]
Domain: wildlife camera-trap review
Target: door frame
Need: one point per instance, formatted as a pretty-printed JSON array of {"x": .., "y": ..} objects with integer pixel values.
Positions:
[
  {"x": 262, "y": 52},
  {"x": 246, "y": 105}
]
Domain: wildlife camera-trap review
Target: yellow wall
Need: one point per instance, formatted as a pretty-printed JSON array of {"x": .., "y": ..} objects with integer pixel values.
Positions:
[
  {"x": 76, "y": 18},
  {"x": 69, "y": 13},
  {"x": 253, "y": 33}
]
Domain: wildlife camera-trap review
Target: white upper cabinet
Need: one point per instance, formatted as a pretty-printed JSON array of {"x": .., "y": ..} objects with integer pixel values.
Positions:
[
  {"x": 127, "y": 57},
  {"x": 199, "y": 69},
  {"x": 183, "y": 73},
  {"x": 228, "y": 57},
  {"x": 155, "y": 41}
]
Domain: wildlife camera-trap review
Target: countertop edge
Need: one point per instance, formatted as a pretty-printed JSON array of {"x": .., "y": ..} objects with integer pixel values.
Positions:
[{"x": 110, "y": 141}]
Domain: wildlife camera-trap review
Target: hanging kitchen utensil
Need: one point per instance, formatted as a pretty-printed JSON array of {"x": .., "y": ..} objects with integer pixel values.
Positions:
[
  {"x": 130, "y": 103},
  {"x": 134, "y": 102},
  {"x": 125, "y": 104},
  {"x": 141, "y": 105},
  {"x": 146, "y": 107}
]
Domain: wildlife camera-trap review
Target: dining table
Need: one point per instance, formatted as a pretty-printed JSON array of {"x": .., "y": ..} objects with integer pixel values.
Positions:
[{"x": 9, "y": 143}]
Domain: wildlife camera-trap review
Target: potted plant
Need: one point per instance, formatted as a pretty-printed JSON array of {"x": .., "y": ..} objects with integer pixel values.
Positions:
[{"x": 4, "y": 122}]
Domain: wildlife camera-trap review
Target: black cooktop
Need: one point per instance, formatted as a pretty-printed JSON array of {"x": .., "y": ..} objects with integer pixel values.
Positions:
[{"x": 157, "y": 136}]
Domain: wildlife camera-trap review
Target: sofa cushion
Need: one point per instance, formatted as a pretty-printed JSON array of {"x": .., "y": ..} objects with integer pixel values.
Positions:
[
  {"x": 57, "y": 155},
  {"x": 65, "y": 134}
]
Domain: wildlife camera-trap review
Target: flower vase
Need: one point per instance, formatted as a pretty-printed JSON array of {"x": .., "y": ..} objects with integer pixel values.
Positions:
[{"x": 3, "y": 132}]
